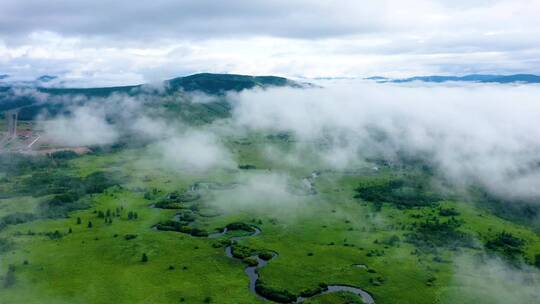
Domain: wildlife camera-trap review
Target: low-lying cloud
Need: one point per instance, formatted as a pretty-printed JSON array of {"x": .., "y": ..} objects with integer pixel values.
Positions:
[
  {"x": 472, "y": 133},
  {"x": 85, "y": 126},
  {"x": 194, "y": 150},
  {"x": 506, "y": 283}
]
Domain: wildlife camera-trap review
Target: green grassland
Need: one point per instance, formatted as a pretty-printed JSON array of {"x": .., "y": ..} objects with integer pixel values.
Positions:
[{"x": 331, "y": 237}]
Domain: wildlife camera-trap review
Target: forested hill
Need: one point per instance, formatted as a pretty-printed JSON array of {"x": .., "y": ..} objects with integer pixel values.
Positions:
[{"x": 32, "y": 101}]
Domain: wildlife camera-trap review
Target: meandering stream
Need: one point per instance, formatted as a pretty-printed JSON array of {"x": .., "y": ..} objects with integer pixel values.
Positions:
[
  {"x": 253, "y": 275},
  {"x": 252, "y": 271}
]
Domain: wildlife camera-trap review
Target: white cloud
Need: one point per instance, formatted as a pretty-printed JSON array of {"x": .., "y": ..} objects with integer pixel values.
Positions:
[
  {"x": 472, "y": 133},
  {"x": 125, "y": 43},
  {"x": 491, "y": 280},
  {"x": 194, "y": 150},
  {"x": 86, "y": 126}
]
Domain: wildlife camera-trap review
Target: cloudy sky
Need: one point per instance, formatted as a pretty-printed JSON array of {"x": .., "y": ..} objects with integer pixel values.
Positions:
[{"x": 124, "y": 42}]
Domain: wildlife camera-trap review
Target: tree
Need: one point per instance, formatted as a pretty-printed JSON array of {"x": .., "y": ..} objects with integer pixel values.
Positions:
[
  {"x": 130, "y": 215},
  {"x": 537, "y": 260},
  {"x": 89, "y": 224},
  {"x": 135, "y": 215},
  {"x": 144, "y": 258},
  {"x": 108, "y": 214},
  {"x": 70, "y": 230},
  {"x": 79, "y": 221}
]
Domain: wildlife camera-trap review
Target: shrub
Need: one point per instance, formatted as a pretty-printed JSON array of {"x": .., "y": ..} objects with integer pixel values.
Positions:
[
  {"x": 247, "y": 167},
  {"x": 175, "y": 200},
  {"x": 266, "y": 255},
  {"x": 198, "y": 232},
  {"x": 241, "y": 252},
  {"x": 56, "y": 235},
  {"x": 128, "y": 237},
  {"x": 250, "y": 261},
  {"x": 240, "y": 226},
  {"x": 281, "y": 296},
  {"x": 313, "y": 291},
  {"x": 506, "y": 244}
]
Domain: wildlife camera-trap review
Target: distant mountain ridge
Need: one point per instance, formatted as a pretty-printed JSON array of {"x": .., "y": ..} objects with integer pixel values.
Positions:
[
  {"x": 41, "y": 81},
  {"x": 483, "y": 78},
  {"x": 31, "y": 100}
]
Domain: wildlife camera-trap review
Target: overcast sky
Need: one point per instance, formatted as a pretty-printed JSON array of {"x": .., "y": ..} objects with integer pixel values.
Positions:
[{"x": 124, "y": 42}]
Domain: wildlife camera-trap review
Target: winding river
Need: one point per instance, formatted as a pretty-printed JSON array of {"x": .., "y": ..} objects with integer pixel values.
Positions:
[
  {"x": 252, "y": 271},
  {"x": 253, "y": 275}
]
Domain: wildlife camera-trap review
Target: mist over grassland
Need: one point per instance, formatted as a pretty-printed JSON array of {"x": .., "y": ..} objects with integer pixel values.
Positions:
[
  {"x": 472, "y": 133},
  {"x": 461, "y": 136}
]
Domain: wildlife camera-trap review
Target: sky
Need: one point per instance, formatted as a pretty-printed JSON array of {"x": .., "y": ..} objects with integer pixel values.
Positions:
[{"x": 103, "y": 42}]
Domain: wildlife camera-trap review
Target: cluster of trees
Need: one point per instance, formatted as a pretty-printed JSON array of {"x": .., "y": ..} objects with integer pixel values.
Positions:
[
  {"x": 181, "y": 227},
  {"x": 16, "y": 218},
  {"x": 523, "y": 211},
  {"x": 132, "y": 215},
  {"x": 277, "y": 295},
  {"x": 68, "y": 191},
  {"x": 401, "y": 192},
  {"x": 448, "y": 212},
  {"x": 391, "y": 241},
  {"x": 241, "y": 251},
  {"x": 433, "y": 233},
  {"x": 151, "y": 194},
  {"x": 186, "y": 216},
  {"x": 117, "y": 212},
  {"x": 506, "y": 244},
  {"x": 16, "y": 164},
  {"x": 108, "y": 213},
  {"x": 56, "y": 235},
  {"x": 239, "y": 226},
  {"x": 176, "y": 200}
]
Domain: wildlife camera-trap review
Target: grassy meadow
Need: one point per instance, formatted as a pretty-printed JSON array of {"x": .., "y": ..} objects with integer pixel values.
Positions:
[{"x": 337, "y": 235}]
